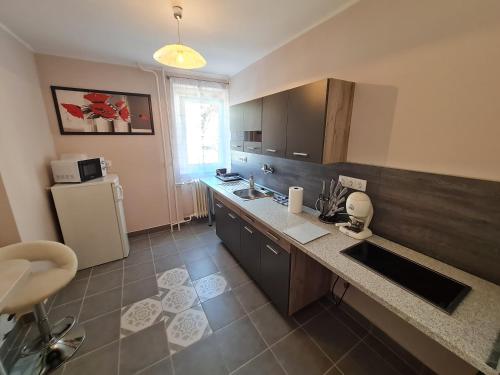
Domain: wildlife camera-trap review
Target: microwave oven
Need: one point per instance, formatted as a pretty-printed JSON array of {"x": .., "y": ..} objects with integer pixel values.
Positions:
[{"x": 78, "y": 170}]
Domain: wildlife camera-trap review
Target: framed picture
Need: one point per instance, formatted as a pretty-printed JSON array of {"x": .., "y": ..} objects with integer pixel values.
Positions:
[{"x": 83, "y": 111}]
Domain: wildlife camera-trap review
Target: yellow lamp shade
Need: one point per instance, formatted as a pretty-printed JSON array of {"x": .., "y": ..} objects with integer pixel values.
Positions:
[{"x": 179, "y": 56}]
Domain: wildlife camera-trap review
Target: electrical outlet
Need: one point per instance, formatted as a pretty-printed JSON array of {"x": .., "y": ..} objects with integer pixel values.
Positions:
[{"x": 353, "y": 183}]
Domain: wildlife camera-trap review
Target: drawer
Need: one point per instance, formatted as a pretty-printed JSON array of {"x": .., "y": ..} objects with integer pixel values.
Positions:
[
  {"x": 236, "y": 145},
  {"x": 253, "y": 147}
]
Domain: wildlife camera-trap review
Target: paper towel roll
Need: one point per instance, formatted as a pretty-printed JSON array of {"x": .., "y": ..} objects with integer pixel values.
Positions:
[{"x": 295, "y": 197}]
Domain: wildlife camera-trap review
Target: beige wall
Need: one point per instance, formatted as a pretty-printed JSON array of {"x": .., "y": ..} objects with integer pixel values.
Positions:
[
  {"x": 137, "y": 159},
  {"x": 8, "y": 233},
  {"x": 26, "y": 144},
  {"x": 441, "y": 60}
]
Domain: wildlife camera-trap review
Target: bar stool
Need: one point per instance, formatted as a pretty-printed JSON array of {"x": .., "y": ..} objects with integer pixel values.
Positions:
[{"x": 52, "y": 266}]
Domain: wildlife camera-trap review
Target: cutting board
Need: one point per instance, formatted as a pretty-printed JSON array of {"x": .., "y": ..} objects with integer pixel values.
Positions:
[{"x": 305, "y": 232}]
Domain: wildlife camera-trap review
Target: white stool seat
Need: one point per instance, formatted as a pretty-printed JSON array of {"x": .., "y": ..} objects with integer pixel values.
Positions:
[{"x": 53, "y": 266}]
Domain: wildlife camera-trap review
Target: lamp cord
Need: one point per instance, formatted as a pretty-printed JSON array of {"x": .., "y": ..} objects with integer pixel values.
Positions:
[{"x": 178, "y": 31}]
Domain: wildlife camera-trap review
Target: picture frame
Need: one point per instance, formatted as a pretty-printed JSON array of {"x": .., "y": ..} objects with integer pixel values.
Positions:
[{"x": 82, "y": 111}]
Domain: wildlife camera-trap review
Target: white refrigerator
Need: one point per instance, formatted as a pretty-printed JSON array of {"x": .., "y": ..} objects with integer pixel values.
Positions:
[{"x": 92, "y": 219}]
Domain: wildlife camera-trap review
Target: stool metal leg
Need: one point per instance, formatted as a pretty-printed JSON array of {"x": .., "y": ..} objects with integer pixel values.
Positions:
[{"x": 55, "y": 346}]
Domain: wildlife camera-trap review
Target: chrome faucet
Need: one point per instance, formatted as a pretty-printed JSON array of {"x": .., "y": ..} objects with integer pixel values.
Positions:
[{"x": 251, "y": 182}]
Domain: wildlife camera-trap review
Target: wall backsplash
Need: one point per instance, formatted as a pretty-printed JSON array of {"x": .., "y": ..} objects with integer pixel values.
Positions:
[{"x": 453, "y": 219}]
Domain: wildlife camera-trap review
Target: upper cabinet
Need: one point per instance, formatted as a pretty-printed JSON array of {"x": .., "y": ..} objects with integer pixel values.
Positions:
[
  {"x": 274, "y": 121},
  {"x": 309, "y": 123},
  {"x": 306, "y": 122}
]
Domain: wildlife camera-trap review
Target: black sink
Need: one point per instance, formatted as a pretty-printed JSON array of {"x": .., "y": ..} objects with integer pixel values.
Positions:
[{"x": 438, "y": 289}]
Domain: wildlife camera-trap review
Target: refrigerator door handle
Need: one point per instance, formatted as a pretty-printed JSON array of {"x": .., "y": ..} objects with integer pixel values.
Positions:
[{"x": 119, "y": 192}]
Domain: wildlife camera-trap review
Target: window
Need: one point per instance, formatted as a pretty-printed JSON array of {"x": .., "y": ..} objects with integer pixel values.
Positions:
[{"x": 201, "y": 128}]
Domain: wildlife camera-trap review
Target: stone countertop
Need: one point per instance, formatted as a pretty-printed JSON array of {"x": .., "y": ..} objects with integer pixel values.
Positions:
[{"x": 470, "y": 332}]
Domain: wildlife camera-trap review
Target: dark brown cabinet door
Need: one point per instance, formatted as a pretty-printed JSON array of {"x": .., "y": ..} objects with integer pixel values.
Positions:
[
  {"x": 274, "y": 119},
  {"x": 236, "y": 122},
  {"x": 220, "y": 220},
  {"x": 232, "y": 233},
  {"x": 306, "y": 122},
  {"x": 275, "y": 274},
  {"x": 252, "y": 115},
  {"x": 250, "y": 250}
]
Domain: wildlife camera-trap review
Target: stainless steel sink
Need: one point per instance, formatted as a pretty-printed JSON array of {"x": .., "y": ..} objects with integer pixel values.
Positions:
[{"x": 250, "y": 194}]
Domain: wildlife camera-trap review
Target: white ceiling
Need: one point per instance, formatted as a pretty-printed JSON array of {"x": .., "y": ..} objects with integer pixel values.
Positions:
[{"x": 231, "y": 34}]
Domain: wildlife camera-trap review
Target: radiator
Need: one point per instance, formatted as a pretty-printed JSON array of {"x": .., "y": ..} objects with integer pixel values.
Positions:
[{"x": 200, "y": 203}]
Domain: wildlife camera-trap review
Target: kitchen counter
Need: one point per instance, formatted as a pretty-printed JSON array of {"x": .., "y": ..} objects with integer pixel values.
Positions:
[{"x": 470, "y": 332}]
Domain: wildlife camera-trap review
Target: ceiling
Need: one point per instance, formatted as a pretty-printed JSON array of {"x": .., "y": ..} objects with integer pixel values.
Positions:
[{"x": 231, "y": 34}]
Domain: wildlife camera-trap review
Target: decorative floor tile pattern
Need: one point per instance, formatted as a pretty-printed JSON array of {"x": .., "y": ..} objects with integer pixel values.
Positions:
[
  {"x": 211, "y": 286},
  {"x": 186, "y": 328},
  {"x": 169, "y": 329},
  {"x": 141, "y": 315}
]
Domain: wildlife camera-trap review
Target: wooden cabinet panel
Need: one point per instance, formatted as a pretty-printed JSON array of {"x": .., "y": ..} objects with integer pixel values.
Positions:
[
  {"x": 275, "y": 274},
  {"x": 250, "y": 250},
  {"x": 253, "y": 147},
  {"x": 236, "y": 145},
  {"x": 274, "y": 120},
  {"x": 252, "y": 115},
  {"x": 306, "y": 122},
  {"x": 236, "y": 118}
]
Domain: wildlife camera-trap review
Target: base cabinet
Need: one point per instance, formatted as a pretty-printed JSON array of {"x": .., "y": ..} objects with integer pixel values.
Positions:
[
  {"x": 250, "y": 250},
  {"x": 227, "y": 228},
  {"x": 275, "y": 274}
]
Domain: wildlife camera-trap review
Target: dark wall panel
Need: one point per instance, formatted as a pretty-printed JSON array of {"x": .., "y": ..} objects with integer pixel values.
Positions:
[{"x": 453, "y": 219}]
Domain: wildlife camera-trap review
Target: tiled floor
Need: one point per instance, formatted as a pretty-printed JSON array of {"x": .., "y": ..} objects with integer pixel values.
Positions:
[{"x": 180, "y": 304}]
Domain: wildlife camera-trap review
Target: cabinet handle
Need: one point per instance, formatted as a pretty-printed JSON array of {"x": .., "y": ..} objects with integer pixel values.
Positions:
[
  {"x": 300, "y": 154},
  {"x": 237, "y": 146},
  {"x": 270, "y": 150},
  {"x": 248, "y": 229},
  {"x": 272, "y": 236},
  {"x": 272, "y": 250},
  {"x": 252, "y": 148},
  {"x": 219, "y": 205},
  {"x": 231, "y": 216}
]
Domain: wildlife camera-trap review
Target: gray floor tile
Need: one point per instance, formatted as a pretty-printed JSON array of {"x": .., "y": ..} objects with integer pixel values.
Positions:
[
  {"x": 83, "y": 274},
  {"x": 188, "y": 244},
  {"x": 389, "y": 356},
  {"x": 355, "y": 326},
  {"x": 143, "y": 349},
  {"x": 224, "y": 260},
  {"x": 211, "y": 286},
  {"x": 235, "y": 276},
  {"x": 271, "y": 324},
  {"x": 138, "y": 257},
  {"x": 193, "y": 255},
  {"x": 214, "y": 248},
  {"x": 102, "y": 361},
  {"x": 139, "y": 244},
  {"x": 167, "y": 263},
  {"x": 201, "y": 358},
  {"x": 331, "y": 335},
  {"x": 137, "y": 236},
  {"x": 162, "y": 239},
  {"x": 101, "y": 303},
  {"x": 308, "y": 312},
  {"x": 357, "y": 316},
  {"x": 183, "y": 234},
  {"x": 100, "y": 331},
  {"x": 164, "y": 367},
  {"x": 138, "y": 272},
  {"x": 222, "y": 310},
  {"x": 107, "y": 267},
  {"x": 69, "y": 309},
  {"x": 138, "y": 290},
  {"x": 334, "y": 371},
  {"x": 209, "y": 238},
  {"x": 201, "y": 268},
  {"x": 101, "y": 283},
  {"x": 299, "y": 355},
  {"x": 250, "y": 296},
  {"x": 164, "y": 250},
  {"x": 199, "y": 228},
  {"x": 239, "y": 342},
  {"x": 362, "y": 360},
  {"x": 71, "y": 292},
  {"x": 265, "y": 363}
]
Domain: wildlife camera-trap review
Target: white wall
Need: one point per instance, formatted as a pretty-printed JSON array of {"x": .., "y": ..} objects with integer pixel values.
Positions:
[
  {"x": 26, "y": 145},
  {"x": 442, "y": 61}
]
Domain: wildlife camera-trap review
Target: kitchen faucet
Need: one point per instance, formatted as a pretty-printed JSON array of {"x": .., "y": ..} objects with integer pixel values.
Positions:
[{"x": 251, "y": 182}]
